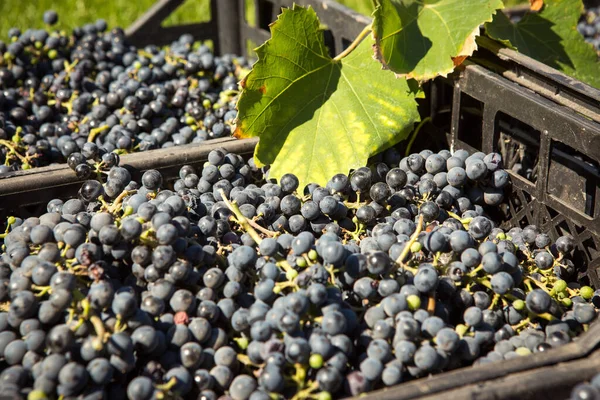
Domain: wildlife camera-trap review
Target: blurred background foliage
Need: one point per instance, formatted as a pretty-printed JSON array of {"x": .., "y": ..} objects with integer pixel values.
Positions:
[{"x": 25, "y": 14}]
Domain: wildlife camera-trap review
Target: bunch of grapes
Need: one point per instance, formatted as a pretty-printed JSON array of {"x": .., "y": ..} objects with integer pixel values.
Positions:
[
  {"x": 60, "y": 91},
  {"x": 230, "y": 285}
]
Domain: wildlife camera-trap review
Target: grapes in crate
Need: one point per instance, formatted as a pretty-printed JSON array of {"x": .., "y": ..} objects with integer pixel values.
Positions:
[
  {"x": 229, "y": 284},
  {"x": 89, "y": 92}
]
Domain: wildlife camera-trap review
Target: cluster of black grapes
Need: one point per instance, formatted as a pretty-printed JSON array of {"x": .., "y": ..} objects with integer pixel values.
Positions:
[
  {"x": 589, "y": 26},
  {"x": 60, "y": 91},
  {"x": 233, "y": 285}
]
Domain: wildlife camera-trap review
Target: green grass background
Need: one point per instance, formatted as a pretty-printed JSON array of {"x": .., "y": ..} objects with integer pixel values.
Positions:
[{"x": 25, "y": 14}]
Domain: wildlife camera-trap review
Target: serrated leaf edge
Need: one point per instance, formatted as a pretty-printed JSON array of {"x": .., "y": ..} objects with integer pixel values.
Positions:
[{"x": 463, "y": 53}]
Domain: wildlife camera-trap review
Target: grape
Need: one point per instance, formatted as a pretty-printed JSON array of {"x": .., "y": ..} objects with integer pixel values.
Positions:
[
  {"x": 14, "y": 352},
  {"x": 50, "y": 17},
  {"x": 426, "y": 358},
  {"x": 456, "y": 176},
  {"x": 124, "y": 304},
  {"x": 242, "y": 387},
  {"x": 565, "y": 244},
  {"x": 140, "y": 388},
  {"x": 100, "y": 371},
  {"x": 379, "y": 349},
  {"x": 538, "y": 301},
  {"x": 289, "y": 183},
  {"x": 426, "y": 279},
  {"x": 473, "y": 316},
  {"x": 435, "y": 163},
  {"x": 544, "y": 260},
  {"x": 271, "y": 380},
  {"x": 584, "y": 391},
  {"x": 334, "y": 323},
  {"x": 584, "y": 313},
  {"x": 371, "y": 368},
  {"x": 480, "y": 227},
  {"x": 379, "y": 191},
  {"x": 72, "y": 378},
  {"x": 501, "y": 282},
  {"x": 470, "y": 257},
  {"x": 396, "y": 178},
  {"x": 329, "y": 379},
  {"x": 436, "y": 242},
  {"x": 460, "y": 241}
]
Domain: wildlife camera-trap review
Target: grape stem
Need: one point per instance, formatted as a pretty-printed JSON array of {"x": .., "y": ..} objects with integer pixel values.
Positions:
[
  {"x": 243, "y": 221},
  {"x": 355, "y": 43},
  {"x": 431, "y": 303},
  {"x": 14, "y": 151},
  {"x": 256, "y": 226},
  {"x": 240, "y": 218},
  {"x": 117, "y": 202},
  {"x": 168, "y": 385},
  {"x": 95, "y": 131},
  {"x": 409, "y": 244},
  {"x": 305, "y": 393},
  {"x": 521, "y": 324},
  {"x": 244, "y": 359}
]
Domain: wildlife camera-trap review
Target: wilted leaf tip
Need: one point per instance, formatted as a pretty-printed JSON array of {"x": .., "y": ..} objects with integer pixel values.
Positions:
[{"x": 536, "y": 5}]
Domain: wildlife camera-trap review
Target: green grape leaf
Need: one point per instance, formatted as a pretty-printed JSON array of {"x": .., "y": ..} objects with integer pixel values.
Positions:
[
  {"x": 422, "y": 39},
  {"x": 551, "y": 37},
  {"x": 317, "y": 116}
]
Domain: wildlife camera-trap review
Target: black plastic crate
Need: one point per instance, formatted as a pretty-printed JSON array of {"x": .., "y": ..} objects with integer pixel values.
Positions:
[{"x": 498, "y": 101}]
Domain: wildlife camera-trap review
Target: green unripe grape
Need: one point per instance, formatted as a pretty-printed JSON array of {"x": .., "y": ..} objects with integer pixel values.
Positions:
[
  {"x": 206, "y": 103},
  {"x": 312, "y": 255},
  {"x": 416, "y": 247},
  {"x": 37, "y": 395},
  {"x": 189, "y": 121},
  {"x": 137, "y": 65},
  {"x": 560, "y": 286},
  {"x": 323, "y": 396},
  {"x": 414, "y": 302},
  {"x": 523, "y": 351},
  {"x": 567, "y": 302},
  {"x": 315, "y": 361},
  {"x": 501, "y": 236},
  {"x": 519, "y": 305},
  {"x": 52, "y": 54},
  {"x": 586, "y": 292},
  {"x": 301, "y": 262}
]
